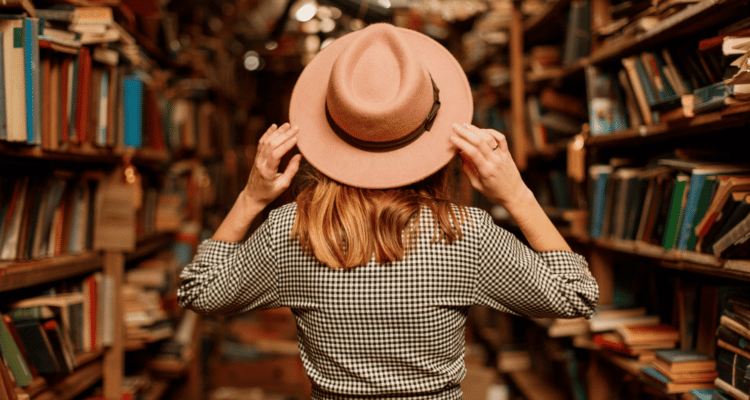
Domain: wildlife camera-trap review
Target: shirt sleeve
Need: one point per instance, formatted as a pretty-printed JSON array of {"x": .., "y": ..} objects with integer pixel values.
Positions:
[
  {"x": 514, "y": 278},
  {"x": 229, "y": 278}
]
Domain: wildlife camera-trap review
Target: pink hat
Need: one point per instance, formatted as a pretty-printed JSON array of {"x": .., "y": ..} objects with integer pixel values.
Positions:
[{"x": 375, "y": 108}]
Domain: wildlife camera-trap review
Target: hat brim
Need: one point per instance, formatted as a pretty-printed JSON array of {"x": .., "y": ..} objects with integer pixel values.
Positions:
[{"x": 340, "y": 161}]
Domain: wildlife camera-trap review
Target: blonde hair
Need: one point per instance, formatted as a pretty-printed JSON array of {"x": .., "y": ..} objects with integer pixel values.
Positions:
[{"x": 344, "y": 226}]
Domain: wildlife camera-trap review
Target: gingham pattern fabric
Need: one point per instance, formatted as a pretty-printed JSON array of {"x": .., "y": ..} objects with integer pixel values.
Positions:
[{"x": 387, "y": 330}]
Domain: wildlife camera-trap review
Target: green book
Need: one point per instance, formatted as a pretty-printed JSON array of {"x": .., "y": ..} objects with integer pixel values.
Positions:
[
  {"x": 675, "y": 211},
  {"x": 13, "y": 356}
]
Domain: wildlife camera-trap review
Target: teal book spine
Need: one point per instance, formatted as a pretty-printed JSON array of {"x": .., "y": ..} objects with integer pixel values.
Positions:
[
  {"x": 32, "y": 80},
  {"x": 675, "y": 210},
  {"x": 133, "y": 110},
  {"x": 686, "y": 224},
  {"x": 3, "y": 115}
]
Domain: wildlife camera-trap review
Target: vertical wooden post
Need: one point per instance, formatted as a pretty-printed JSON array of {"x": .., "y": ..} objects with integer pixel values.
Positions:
[
  {"x": 194, "y": 382},
  {"x": 520, "y": 148},
  {"x": 114, "y": 356}
]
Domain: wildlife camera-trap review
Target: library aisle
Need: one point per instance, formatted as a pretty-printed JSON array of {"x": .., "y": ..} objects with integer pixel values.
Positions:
[{"x": 129, "y": 127}]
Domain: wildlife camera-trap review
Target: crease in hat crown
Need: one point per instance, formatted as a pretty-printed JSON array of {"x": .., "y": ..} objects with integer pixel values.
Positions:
[{"x": 378, "y": 89}]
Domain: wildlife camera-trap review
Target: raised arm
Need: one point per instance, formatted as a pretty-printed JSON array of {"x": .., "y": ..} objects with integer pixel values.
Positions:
[
  {"x": 264, "y": 184},
  {"x": 491, "y": 170}
]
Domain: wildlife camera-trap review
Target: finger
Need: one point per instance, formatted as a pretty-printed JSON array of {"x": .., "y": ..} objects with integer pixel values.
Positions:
[
  {"x": 467, "y": 148},
  {"x": 482, "y": 133},
  {"x": 273, "y": 133},
  {"x": 487, "y": 142},
  {"x": 502, "y": 141},
  {"x": 472, "y": 175},
  {"x": 283, "y": 148},
  {"x": 282, "y": 137},
  {"x": 291, "y": 170},
  {"x": 473, "y": 138},
  {"x": 267, "y": 133}
]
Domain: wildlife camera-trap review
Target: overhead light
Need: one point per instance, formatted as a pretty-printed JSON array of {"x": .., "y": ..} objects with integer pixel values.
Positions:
[
  {"x": 272, "y": 45},
  {"x": 306, "y": 11},
  {"x": 252, "y": 61},
  {"x": 384, "y": 3}
]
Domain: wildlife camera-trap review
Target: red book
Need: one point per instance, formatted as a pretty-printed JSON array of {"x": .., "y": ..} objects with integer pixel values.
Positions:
[
  {"x": 64, "y": 106},
  {"x": 82, "y": 99}
]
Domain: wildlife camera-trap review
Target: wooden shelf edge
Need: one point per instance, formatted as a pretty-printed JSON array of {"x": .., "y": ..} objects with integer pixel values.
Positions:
[
  {"x": 710, "y": 121},
  {"x": 74, "y": 384},
  {"x": 693, "y": 16},
  {"x": 21, "y": 274},
  {"x": 689, "y": 261},
  {"x": 86, "y": 154}
]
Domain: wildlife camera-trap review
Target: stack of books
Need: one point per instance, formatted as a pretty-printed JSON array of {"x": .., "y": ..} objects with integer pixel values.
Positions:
[
  {"x": 678, "y": 371},
  {"x": 639, "y": 341},
  {"x": 733, "y": 349}
]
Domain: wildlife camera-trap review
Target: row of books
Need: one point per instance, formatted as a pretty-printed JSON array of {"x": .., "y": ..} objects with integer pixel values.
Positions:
[
  {"x": 49, "y": 335},
  {"x": 678, "y": 204},
  {"x": 73, "y": 81},
  {"x": 670, "y": 83},
  {"x": 50, "y": 213}
]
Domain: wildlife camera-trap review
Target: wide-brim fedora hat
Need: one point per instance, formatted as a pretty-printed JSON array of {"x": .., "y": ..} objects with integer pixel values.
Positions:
[{"x": 375, "y": 107}]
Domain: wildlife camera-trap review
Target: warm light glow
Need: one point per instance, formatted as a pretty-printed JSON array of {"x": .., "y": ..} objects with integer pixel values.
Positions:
[
  {"x": 327, "y": 25},
  {"x": 384, "y": 3},
  {"x": 306, "y": 12},
  {"x": 252, "y": 61},
  {"x": 272, "y": 45}
]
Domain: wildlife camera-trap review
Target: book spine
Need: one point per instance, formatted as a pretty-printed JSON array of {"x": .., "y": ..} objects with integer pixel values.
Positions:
[
  {"x": 3, "y": 115},
  {"x": 132, "y": 110},
  {"x": 686, "y": 225},
  {"x": 675, "y": 211},
  {"x": 32, "y": 79},
  {"x": 736, "y": 236}
]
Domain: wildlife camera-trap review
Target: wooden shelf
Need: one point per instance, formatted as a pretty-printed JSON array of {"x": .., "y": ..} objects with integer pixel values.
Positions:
[
  {"x": 535, "y": 387},
  {"x": 17, "y": 275},
  {"x": 22, "y": 274},
  {"x": 86, "y": 154},
  {"x": 74, "y": 384},
  {"x": 692, "y": 19},
  {"x": 690, "y": 261},
  {"x": 701, "y": 123}
]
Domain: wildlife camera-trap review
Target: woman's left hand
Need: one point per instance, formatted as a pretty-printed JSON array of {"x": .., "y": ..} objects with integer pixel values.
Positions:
[{"x": 265, "y": 182}]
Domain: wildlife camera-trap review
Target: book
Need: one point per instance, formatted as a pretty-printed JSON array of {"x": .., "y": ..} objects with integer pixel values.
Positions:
[
  {"x": 32, "y": 79},
  {"x": 132, "y": 99},
  {"x": 599, "y": 175},
  {"x": 15, "y": 82},
  {"x": 699, "y": 173},
  {"x": 648, "y": 334},
  {"x": 13, "y": 355},
  {"x": 607, "y": 112},
  {"x": 683, "y": 361},
  {"x": 630, "y": 65},
  {"x": 725, "y": 186},
  {"x": 727, "y": 387},
  {"x": 676, "y": 207},
  {"x": 734, "y": 228},
  {"x": 653, "y": 376},
  {"x": 40, "y": 350}
]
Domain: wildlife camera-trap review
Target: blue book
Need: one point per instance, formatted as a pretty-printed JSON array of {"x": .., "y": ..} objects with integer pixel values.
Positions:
[
  {"x": 132, "y": 93},
  {"x": 600, "y": 176},
  {"x": 648, "y": 89},
  {"x": 703, "y": 394},
  {"x": 711, "y": 97},
  {"x": 32, "y": 74}
]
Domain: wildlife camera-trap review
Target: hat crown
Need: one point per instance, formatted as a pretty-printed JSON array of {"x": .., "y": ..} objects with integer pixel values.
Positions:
[{"x": 378, "y": 90}]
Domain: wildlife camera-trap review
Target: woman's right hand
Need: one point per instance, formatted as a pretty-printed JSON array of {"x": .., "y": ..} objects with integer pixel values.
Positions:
[{"x": 488, "y": 164}]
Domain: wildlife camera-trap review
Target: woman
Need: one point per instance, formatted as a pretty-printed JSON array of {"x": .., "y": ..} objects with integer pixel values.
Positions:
[{"x": 378, "y": 267}]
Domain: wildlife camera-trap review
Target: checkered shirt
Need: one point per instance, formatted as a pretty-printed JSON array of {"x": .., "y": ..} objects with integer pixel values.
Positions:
[{"x": 387, "y": 330}]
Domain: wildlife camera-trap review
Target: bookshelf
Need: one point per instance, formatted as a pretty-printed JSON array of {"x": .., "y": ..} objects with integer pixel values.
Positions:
[
  {"x": 663, "y": 271},
  {"x": 107, "y": 121}
]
